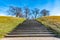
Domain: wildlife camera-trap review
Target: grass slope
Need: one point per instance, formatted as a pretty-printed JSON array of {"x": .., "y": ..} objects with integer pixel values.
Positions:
[
  {"x": 52, "y": 22},
  {"x": 7, "y": 24}
]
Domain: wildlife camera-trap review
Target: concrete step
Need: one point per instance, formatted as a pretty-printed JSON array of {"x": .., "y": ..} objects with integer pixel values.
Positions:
[
  {"x": 31, "y": 35},
  {"x": 32, "y": 30}
]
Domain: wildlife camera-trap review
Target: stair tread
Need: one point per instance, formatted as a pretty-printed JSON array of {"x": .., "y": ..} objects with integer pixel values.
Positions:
[
  {"x": 32, "y": 32},
  {"x": 45, "y": 35}
]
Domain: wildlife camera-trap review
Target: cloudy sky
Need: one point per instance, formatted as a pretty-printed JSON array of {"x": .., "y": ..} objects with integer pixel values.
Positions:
[{"x": 52, "y": 5}]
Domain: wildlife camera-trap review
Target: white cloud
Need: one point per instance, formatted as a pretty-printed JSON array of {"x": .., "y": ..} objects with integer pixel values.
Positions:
[{"x": 1, "y": 14}]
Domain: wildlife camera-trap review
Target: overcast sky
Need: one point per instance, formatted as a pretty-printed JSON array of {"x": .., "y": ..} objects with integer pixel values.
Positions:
[{"x": 52, "y": 5}]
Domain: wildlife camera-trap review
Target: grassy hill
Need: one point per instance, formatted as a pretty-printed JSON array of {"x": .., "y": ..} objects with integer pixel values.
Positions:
[
  {"x": 7, "y": 24},
  {"x": 52, "y": 22}
]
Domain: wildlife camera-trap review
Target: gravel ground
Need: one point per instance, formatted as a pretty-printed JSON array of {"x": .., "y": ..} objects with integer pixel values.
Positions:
[{"x": 31, "y": 38}]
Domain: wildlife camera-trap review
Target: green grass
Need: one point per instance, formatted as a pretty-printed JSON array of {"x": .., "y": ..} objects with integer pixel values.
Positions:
[
  {"x": 7, "y": 24},
  {"x": 52, "y": 22}
]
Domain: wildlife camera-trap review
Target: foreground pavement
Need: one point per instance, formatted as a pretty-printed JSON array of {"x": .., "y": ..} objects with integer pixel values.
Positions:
[{"x": 30, "y": 38}]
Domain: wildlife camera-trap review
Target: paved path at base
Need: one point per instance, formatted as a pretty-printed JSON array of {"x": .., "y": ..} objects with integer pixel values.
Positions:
[{"x": 31, "y": 38}]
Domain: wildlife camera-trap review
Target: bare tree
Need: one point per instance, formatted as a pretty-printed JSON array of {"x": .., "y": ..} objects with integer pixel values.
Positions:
[
  {"x": 15, "y": 11},
  {"x": 33, "y": 12},
  {"x": 27, "y": 11},
  {"x": 11, "y": 10},
  {"x": 45, "y": 12},
  {"x": 36, "y": 12}
]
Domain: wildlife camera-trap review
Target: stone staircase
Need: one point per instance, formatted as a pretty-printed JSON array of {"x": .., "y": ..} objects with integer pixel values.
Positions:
[{"x": 31, "y": 28}]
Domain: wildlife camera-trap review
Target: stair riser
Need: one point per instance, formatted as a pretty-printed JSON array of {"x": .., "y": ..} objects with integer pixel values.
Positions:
[{"x": 32, "y": 35}]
